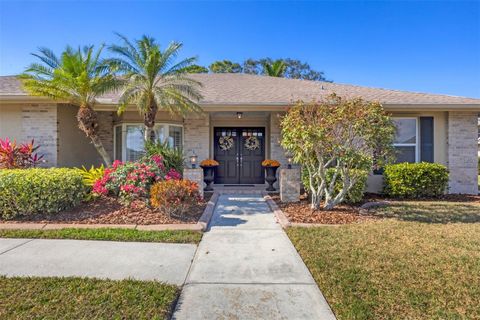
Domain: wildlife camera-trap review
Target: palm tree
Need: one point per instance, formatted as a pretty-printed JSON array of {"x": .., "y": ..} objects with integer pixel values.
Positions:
[
  {"x": 274, "y": 69},
  {"x": 77, "y": 77},
  {"x": 153, "y": 80}
]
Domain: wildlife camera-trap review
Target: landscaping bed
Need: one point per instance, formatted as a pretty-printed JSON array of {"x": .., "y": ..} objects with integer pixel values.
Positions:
[
  {"x": 81, "y": 298},
  {"x": 448, "y": 208},
  {"x": 108, "y": 210},
  {"x": 389, "y": 269},
  {"x": 300, "y": 212}
]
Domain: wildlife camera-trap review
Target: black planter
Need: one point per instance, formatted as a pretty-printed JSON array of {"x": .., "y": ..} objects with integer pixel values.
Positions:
[
  {"x": 208, "y": 177},
  {"x": 271, "y": 177}
]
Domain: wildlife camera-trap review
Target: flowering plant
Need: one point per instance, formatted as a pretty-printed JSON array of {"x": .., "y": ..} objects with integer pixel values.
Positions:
[
  {"x": 174, "y": 197},
  {"x": 13, "y": 156},
  {"x": 270, "y": 163},
  {"x": 209, "y": 163},
  {"x": 132, "y": 180}
]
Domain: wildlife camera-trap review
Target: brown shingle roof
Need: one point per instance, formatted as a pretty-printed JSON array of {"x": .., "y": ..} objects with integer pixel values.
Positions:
[{"x": 245, "y": 89}]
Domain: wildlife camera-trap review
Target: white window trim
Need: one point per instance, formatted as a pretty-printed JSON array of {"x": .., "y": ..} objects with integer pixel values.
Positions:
[
  {"x": 417, "y": 137},
  {"x": 124, "y": 130}
]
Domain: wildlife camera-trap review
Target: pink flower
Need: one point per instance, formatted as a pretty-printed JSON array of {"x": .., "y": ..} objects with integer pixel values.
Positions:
[{"x": 173, "y": 175}]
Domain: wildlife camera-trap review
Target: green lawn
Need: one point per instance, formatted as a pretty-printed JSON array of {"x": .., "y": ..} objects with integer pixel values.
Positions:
[
  {"x": 392, "y": 269},
  {"x": 78, "y": 298},
  {"x": 176, "y": 236},
  {"x": 431, "y": 211}
]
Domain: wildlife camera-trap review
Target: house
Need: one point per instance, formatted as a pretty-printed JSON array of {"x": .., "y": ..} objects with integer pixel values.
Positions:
[{"x": 435, "y": 128}]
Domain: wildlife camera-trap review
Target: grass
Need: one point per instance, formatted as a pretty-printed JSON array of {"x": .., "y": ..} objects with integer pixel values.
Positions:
[
  {"x": 392, "y": 269},
  {"x": 79, "y": 298},
  {"x": 431, "y": 211},
  {"x": 174, "y": 236}
]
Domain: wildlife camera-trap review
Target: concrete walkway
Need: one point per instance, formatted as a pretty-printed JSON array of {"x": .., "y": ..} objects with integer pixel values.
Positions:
[
  {"x": 247, "y": 268},
  {"x": 100, "y": 259}
]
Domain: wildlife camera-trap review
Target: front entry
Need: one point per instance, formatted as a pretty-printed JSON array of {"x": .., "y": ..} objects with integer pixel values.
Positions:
[{"x": 240, "y": 152}]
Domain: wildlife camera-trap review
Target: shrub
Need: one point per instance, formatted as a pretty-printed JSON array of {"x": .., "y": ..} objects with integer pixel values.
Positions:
[
  {"x": 90, "y": 176},
  {"x": 415, "y": 180},
  {"x": 29, "y": 191},
  {"x": 13, "y": 156},
  {"x": 132, "y": 180},
  {"x": 354, "y": 195},
  {"x": 172, "y": 157},
  {"x": 174, "y": 197}
]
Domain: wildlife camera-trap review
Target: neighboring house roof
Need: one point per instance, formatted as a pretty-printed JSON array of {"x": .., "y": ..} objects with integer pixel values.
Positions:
[{"x": 245, "y": 89}]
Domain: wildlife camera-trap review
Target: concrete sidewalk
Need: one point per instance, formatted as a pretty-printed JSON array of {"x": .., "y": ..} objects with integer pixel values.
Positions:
[
  {"x": 247, "y": 268},
  {"x": 100, "y": 259}
]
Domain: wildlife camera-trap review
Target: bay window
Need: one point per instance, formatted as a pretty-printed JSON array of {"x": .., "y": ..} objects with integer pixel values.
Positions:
[
  {"x": 129, "y": 139},
  {"x": 406, "y": 139}
]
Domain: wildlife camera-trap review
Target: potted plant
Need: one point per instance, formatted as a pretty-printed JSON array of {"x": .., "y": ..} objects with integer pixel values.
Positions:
[
  {"x": 208, "y": 166},
  {"x": 271, "y": 167}
]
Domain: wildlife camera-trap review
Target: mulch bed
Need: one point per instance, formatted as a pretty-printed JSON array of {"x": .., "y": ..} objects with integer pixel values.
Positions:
[
  {"x": 300, "y": 212},
  {"x": 107, "y": 210}
]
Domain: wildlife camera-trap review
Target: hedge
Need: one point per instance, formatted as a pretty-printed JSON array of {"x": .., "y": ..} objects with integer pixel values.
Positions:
[
  {"x": 356, "y": 192},
  {"x": 25, "y": 192},
  {"x": 415, "y": 180}
]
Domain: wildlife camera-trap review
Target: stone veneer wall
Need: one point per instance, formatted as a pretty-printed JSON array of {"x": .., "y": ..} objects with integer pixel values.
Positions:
[
  {"x": 462, "y": 152},
  {"x": 105, "y": 120},
  {"x": 276, "y": 150},
  {"x": 39, "y": 122},
  {"x": 197, "y": 137}
]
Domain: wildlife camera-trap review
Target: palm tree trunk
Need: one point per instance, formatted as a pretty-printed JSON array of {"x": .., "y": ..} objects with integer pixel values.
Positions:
[
  {"x": 149, "y": 121},
  {"x": 88, "y": 123}
]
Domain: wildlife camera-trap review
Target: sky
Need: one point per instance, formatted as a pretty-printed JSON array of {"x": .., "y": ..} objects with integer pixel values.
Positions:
[{"x": 423, "y": 46}]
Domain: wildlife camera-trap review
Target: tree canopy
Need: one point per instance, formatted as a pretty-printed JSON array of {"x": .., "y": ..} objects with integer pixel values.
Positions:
[{"x": 346, "y": 136}]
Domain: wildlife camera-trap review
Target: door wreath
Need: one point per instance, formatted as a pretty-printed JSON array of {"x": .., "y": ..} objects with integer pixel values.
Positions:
[
  {"x": 252, "y": 143},
  {"x": 225, "y": 143}
]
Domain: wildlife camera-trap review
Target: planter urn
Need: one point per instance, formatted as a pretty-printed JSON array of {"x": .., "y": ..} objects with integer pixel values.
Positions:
[
  {"x": 271, "y": 177},
  {"x": 208, "y": 176}
]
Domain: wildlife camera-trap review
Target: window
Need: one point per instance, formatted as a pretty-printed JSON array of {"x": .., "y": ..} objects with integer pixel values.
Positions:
[
  {"x": 406, "y": 139},
  {"x": 129, "y": 139}
]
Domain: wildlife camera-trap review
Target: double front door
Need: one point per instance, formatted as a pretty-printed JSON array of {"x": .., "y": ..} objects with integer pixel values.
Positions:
[{"x": 240, "y": 152}]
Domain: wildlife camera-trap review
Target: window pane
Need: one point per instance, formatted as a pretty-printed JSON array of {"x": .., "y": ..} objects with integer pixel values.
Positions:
[
  {"x": 406, "y": 130},
  {"x": 134, "y": 142},
  {"x": 405, "y": 154},
  {"x": 160, "y": 133},
  {"x": 118, "y": 143},
  {"x": 175, "y": 137}
]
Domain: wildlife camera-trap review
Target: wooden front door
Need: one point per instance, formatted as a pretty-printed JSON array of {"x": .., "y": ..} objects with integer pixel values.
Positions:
[{"x": 240, "y": 152}]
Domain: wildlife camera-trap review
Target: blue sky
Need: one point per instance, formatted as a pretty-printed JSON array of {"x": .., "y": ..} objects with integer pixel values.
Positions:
[{"x": 425, "y": 46}]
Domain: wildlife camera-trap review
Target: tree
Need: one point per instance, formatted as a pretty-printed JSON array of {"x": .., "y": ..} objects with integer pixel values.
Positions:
[
  {"x": 347, "y": 136},
  {"x": 153, "y": 80},
  {"x": 225, "y": 66},
  {"x": 195, "y": 68},
  {"x": 78, "y": 77},
  {"x": 275, "y": 69},
  {"x": 295, "y": 69}
]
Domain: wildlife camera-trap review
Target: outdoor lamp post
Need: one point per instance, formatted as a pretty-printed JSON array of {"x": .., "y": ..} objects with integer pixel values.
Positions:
[{"x": 193, "y": 160}]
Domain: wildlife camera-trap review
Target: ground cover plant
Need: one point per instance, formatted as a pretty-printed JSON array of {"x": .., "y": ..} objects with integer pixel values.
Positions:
[
  {"x": 390, "y": 269},
  {"x": 346, "y": 136},
  {"x": 110, "y": 234},
  {"x": 81, "y": 298}
]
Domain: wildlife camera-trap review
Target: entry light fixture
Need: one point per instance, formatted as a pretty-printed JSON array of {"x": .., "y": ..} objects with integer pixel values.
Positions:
[
  {"x": 289, "y": 159},
  {"x": 193, "y": 160},
  {"x": 239, "y": 115}
]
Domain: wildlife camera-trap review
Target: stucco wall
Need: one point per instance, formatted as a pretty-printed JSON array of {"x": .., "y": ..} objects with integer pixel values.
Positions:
[{"x": 74, "y": 148}]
